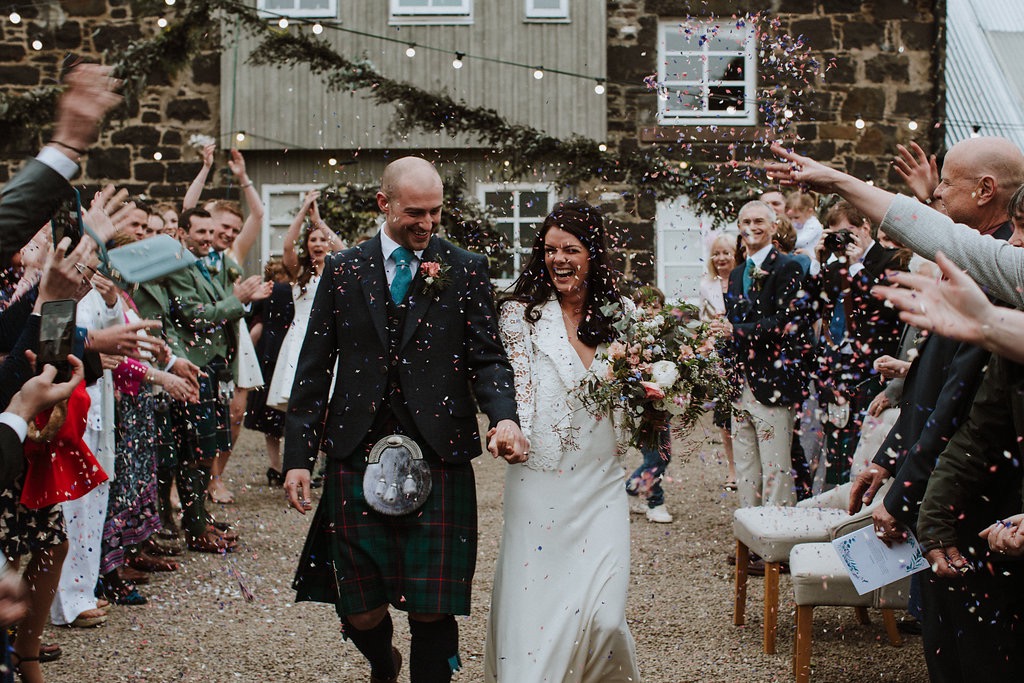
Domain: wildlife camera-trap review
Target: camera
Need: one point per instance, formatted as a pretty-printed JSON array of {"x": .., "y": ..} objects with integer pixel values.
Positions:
[{"x": 836, "y": 242}]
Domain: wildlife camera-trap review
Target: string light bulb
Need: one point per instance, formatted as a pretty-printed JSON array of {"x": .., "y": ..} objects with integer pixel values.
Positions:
[
  {"x": 538, "y": 73},
  {"x": 161, "y": 22},
  {"x": 240, "y": 136},
  {"x": 410, "y": 51},
  {"x": 602, "y": 147},
  {"x": 599, "y": 88},
  {"x": 158, "y": 156},
  {"x": 15, "y": 18},
  {"x": 37, "y": 44},
  {"x": 912, "y": 124},
  {"x": 457, "y": 62},
  {"x": 318, "y": 28},
  {"x": 788, "y": 113},
  {"x": 283, "y": 22},
  {"x": 859, "y": 123},
  {"x": 870, "y": 181},
  {"x": 684, "y": 165},
  {"x": 975, "y": 131},
  {"x": 169, "y": 3},
  {"x": 332, "y": 162}
]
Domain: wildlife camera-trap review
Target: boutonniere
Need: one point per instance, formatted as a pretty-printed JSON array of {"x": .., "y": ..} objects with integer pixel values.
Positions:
[
  {"x": 435, "y": 276},
  {"x": 233, "y": 274},
  {"x": 757, "y": 278}
]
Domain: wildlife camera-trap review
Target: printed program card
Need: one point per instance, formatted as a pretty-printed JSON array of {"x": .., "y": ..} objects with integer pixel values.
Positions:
[{"x": 871, "y": 564}]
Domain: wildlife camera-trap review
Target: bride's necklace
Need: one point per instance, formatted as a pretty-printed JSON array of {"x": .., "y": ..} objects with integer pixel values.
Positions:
[{"x": 571, "y": 325}]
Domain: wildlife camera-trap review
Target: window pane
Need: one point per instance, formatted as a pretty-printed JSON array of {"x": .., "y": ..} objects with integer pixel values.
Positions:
[
  {"x": 276, "y": 5},
  {"x": 448, "y": 3},
  {"x": 678, "y": 39},
  {"x": 500, "y": 204},
  {"x": 684, "y": 100},
  {"x": 686, "y": 68},
  {"x": 527, "y": 235},
  {"x": 314, "y": 4},
  {"x": 283, "y": 208},
  {"x": 728, "y": 38},
  {"x": 725, "y": 67},
  {"x": 412, "y": 4},
  {"x": 533, "y": 204},
  {"x": 722, "y": 97},
  {"x": 546, "y": 4}
]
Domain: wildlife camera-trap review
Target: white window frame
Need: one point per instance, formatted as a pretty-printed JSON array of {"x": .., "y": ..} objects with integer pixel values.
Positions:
[
  {"x": 268, "y": 190},
  {"x": 676, "y": 216},
  {"x": 533, "y": 13},
  {"x": 520, "y": 254},
  {"x": 329, "y": 12},
  {"x": 430, "y": 15},
  {"x": 747, "y": 116}
]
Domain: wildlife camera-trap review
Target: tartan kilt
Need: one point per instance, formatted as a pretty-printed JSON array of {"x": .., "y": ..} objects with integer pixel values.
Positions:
[
  {"x": 358, "y": 559},
  {"x": 204, "y": 428}
]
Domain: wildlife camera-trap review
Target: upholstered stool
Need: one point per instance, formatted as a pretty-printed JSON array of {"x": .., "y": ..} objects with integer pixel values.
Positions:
[
  {"x": 771, "y": 532},
  {"x": 819, "y": 579}
]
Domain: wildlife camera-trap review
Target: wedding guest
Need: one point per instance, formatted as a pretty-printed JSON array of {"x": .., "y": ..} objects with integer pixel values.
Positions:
[
  {"x": 355, "y": 555},
  {"x": 305, "y": 250},
  {"x": 553, "y": 326},
  {"x": 645, "y": 481},
  {"x": 234, "y": 236},
  {"x": 770, "y": 335},
  {"x": 169, "y": 213},
  {"x": 202, "y": 313},
  {"x": 713, "y": 286},
  {"x": 801, "y": 208},
  {"x": 271, "y": 319}
]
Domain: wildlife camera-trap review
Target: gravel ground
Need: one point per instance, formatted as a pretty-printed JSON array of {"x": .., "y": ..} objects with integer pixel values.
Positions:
[{"x": 198, "y": 626}]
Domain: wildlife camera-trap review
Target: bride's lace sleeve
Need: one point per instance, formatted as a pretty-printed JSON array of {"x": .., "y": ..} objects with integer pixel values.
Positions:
[{"x": 515, "y": 334}]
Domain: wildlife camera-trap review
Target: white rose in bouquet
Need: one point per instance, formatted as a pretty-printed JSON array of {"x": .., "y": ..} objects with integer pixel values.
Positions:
[
  {"x": 664, "y": 373},
  {"x": 675, "y": 405}
]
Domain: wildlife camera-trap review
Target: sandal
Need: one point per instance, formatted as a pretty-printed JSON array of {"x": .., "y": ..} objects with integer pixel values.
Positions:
[
  {"x": 154, "y": 547},
  {"x": 133, "y": 576},
  {"x": 21, "y": 660},
  {"x": 90, "y": 618},
  {"x": 729, "y": 485},
  {"x": 50, "y": 652}
]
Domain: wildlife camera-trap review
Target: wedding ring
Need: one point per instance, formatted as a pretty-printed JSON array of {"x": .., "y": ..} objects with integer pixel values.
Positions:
[{"x": 80, "y": 267}]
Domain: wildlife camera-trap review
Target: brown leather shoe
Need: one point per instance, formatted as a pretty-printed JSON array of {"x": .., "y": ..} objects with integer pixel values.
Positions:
[{"x": 398, "y": 668}]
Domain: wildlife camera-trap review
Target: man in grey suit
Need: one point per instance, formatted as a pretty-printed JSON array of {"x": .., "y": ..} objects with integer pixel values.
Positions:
[{"x": 410, "y": 320}]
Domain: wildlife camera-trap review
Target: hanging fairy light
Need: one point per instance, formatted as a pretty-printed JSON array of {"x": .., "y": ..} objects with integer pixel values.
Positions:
[
  {"x": 158, "y": 156},
  {"x": 410, "y": 51},
  {"x": 788, "y": 113},
  {"x": 975, "y": 131},
  {"x": 283, "y": 22},
  {"x": 457, "y": 62},
  {"x": 169, "y": 2},
  {"x": 37, "y": 44},
  {"x": 859, "y": 123},
  {"x": 15, "y": 18},
  {"x": 240, "y": 136},
  {"x": 161, "y": 22},
  {"x": 912, "y": 124},
  {"x": 599, "y": 88},
  {"x": 318, "y": 28},
  {"x": 332, "y": 162},
  {"x": 538, "y": 73},
  {"x": 602, "y": 147}
]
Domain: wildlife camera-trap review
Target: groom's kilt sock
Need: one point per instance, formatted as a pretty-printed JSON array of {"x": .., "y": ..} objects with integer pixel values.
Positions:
[{"x": 359, "y": 559}]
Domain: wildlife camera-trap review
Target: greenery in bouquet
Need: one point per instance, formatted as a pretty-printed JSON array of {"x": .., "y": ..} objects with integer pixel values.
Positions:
[{"x": 661, "y": 370}]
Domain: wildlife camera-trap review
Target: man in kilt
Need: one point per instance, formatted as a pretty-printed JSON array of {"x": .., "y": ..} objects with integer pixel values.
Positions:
[{"x": 411, "y": 321}]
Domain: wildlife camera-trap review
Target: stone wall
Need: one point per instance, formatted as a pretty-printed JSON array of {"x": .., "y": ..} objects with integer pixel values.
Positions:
[
  {"x": 167, "y": 114},
  {"x": 886, "y": 55}
]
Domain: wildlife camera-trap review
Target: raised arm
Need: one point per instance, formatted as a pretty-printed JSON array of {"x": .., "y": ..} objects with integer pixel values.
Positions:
[
  {"x": 195, "y": 190},
  {"x": 290, "y": 258},
  {"x": 251, "y": 228}
]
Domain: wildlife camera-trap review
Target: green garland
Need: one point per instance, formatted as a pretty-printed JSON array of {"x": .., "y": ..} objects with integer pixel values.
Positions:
[{"x": 655, "y": 171}]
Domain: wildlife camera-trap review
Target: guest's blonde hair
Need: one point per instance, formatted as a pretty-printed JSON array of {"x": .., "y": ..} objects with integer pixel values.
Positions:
[{"x": 723, "y": 239}]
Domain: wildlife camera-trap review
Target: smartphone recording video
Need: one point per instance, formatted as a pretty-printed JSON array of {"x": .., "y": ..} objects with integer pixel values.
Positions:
[{"x": 56, "y": 336}]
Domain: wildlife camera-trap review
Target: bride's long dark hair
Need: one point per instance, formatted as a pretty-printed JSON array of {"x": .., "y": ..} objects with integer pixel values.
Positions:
[{"x": 534, "y": 287}]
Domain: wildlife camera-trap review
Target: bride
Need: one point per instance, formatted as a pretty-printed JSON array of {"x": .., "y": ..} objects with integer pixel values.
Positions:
[{"x": 558, "y": 609}]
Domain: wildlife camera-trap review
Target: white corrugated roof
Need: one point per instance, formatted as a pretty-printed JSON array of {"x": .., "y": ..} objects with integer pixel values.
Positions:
[{"x": 984, "y": 88}]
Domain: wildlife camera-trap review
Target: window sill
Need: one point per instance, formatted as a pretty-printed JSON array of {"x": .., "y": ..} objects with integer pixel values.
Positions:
[{"x": 430, "y": 20}]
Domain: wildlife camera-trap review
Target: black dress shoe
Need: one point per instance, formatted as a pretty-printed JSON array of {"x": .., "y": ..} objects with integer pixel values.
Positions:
[{"x": 909, "y": 626}]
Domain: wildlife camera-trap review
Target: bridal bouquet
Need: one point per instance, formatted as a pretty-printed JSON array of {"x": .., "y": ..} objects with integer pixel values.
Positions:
[{"x": 660, "y": 371}]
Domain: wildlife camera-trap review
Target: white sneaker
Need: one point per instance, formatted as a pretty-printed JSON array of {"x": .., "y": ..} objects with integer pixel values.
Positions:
[
  {"x": 659, "y": 515},
  {"x": 638, "y": 506}
]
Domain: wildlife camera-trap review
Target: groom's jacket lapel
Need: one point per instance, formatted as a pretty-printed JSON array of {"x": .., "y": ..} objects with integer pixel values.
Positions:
[{"x": 374, "y": 284}]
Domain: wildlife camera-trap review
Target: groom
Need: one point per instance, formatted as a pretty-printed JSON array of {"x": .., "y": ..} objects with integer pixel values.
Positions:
[{"x": 410, "y": 320}]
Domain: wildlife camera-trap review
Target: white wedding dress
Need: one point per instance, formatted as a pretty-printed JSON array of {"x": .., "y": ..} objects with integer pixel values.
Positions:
[
  {"x": 288, "y": 357},
  {"x": 558, "y": 608}
]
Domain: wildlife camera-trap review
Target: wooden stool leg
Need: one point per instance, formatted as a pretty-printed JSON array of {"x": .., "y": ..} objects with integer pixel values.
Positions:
[
  {"x": 739, "y": 612},
  {"x": 771, "y": 605},
  {"x": 862, "y": 615},
  {"x": 802, "y": 648},
  {"x": 889, "y": 619}
]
